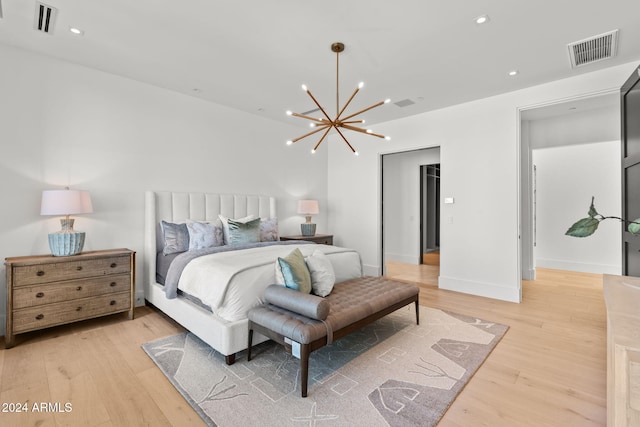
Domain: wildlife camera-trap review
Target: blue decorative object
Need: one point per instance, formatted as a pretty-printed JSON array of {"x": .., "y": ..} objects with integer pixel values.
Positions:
[{"x": 66, "y": 243}]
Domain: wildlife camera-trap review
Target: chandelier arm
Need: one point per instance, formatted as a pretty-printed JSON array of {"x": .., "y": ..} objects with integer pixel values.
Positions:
[
  {"x": 364, "y": 109},
  {"x": 357, "y": 129},
  {"x": 347, "y": 104},
  {"x": 319, "y": 106},
  {"x": 352, "y": 121},
  {"x": 321, "y": 139},
  {"x": 311, "y": 133},
  {"x": 308, "y": 117},
  {"x": 345, "y": 139},
  {"x": 337, "y": 85}
]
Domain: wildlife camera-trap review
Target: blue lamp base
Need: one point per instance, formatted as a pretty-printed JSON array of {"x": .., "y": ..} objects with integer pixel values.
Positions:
[
  {"x": 308, "y": 229},
  {"x": 67, "y": 241}
]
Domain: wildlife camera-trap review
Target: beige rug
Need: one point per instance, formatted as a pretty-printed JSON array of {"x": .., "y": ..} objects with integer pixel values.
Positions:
[{"x": 392, "y": 372}]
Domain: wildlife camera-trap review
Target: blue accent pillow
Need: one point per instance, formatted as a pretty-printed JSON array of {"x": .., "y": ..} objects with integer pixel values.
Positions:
[
  {"x": 295, "y": 272},
  {"x": 244, "y": 232}
]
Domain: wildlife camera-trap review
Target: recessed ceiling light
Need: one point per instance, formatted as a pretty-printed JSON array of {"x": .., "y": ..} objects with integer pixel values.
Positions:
[
  {"x": 76, "y": 31},
  {"x": 513, "y": 73},
  {"x": 482, "y": 19}
]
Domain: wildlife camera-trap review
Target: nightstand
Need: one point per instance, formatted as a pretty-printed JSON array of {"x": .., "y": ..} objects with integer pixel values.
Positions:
[
  {"x": 45, "y": 290},
  {"x": 322, "y": 239}
]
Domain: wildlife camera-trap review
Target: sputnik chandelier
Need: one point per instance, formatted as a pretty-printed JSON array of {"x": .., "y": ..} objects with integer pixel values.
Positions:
[{"x": 339, "y": 123}]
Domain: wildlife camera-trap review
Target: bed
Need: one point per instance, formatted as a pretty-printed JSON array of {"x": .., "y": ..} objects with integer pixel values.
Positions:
[{"x": 221, "y": 322}]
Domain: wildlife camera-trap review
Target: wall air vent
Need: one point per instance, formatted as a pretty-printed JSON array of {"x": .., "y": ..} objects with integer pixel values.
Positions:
[
  {"x": 593, "y": 49},
  {"x": 0, "y": 9},
  {"x": 44, "y": 18}
]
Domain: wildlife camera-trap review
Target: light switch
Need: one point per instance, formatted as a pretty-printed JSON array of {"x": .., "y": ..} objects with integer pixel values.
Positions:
[{"x": 448, "y": 200}]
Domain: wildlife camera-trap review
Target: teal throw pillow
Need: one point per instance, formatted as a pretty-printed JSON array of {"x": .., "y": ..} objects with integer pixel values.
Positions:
[
  {"x": 244, "y": 232},
  {"x": 295, "y": 272}
]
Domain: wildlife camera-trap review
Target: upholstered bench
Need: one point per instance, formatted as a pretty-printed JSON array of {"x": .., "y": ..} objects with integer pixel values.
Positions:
[{"x": 310, "y": 322}]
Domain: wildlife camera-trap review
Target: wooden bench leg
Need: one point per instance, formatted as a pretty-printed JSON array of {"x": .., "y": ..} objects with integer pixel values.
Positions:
[
  {"x": 230, "y": 359},
  {"x": 304, "y": 368},
  {"x": 249, "y": 344},
  {"x": 417, "y": 312}
]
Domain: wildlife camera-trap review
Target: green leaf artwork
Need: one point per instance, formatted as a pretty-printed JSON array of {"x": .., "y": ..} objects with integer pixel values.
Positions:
[{"x": 587, "y": 226}]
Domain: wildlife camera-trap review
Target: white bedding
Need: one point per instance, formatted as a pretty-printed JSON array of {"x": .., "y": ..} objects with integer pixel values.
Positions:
[{"x": 231, "y": 283}]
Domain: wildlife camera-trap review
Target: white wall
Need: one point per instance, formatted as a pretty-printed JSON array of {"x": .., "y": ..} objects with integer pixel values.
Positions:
[
  {"x": 479, "y": 148},
  {"x": 62, "y": 124},
  {"x": 401, "y": 186},
  {"x": 566, "y": 179}
]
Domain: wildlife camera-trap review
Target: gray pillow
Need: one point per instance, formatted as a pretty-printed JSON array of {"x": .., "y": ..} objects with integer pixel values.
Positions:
[
  {"x": 244, "y": 232},
  {"x": 175, "y": 238}
]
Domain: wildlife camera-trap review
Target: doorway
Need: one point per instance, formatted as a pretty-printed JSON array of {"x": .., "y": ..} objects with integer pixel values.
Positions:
[
  {"x": 430, "y": 214},
  {"x": 567, "y": 156},
  {"x": 402, "y": 215}
]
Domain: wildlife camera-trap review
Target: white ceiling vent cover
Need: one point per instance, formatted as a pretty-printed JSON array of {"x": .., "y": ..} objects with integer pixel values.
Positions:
[
  {"x": 593, "y": 49},
  {"x": 44, "y": 18}
]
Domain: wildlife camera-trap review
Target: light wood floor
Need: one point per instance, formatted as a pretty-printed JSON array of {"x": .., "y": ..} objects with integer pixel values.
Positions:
[{"x": 548, "y": 370}]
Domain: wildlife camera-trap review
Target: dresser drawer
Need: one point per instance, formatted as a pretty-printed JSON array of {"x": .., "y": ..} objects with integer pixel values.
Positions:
[
  {"x": 29, "y": 319},
  {"x": 30, "y": 296},
  {"x": 24, "y": 275}
]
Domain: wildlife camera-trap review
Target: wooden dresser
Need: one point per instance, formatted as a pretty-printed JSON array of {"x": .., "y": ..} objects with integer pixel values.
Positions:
[
  {"x": 44, "y": 290},
  {"x": 622, "y": 298}
]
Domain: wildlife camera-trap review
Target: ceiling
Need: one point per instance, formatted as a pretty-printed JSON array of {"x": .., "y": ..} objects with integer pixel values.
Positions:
[{"x": 253, "y": 55}]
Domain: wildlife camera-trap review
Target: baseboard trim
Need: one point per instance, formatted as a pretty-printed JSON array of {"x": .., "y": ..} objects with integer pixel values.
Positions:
[
  {"x": 579, "y": 267},
  {"x": 481, "y": 289},
  {"x": 371, "y": 270}
]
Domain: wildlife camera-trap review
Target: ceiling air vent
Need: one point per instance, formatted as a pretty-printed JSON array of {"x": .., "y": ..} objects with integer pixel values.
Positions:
[
  {"x": 593, "y": 49},
  {"x": 45, "y": 17},
  {"x": 404, "y": 103},
  {"x": 0, "y": 9}
]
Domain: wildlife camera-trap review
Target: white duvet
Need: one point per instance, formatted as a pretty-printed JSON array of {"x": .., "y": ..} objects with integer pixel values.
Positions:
[{"x": 233, "y": 282}]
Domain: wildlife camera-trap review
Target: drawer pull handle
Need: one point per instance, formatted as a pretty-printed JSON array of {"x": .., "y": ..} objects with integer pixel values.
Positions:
[
  {"x": 40, "y": 317},
  {"x": 79, "y": 268},
  {"x": 112, "y": 302},
  {"x": 112, "y": 284},
  {"x": 40, "y": 273},
  {"x": 114, "y": 265},
  {"x": 79, "y": 308},
  {"x": 79, "y": 288},
  {"x": 40, "y": 295}
]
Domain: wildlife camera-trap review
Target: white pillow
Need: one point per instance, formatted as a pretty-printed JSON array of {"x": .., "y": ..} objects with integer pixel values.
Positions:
[
  {"x": 323, "y": 277},
  {"x": 225, "y": 224}
]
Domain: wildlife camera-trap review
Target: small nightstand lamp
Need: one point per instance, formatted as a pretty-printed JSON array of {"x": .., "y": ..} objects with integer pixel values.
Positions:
[
  {"x": 308, "y": 208},
  {"x": 66, "y": 202}
]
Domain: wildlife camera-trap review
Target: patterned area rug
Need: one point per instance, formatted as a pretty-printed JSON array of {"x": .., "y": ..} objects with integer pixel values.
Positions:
[{"x": 392, "y": 372}]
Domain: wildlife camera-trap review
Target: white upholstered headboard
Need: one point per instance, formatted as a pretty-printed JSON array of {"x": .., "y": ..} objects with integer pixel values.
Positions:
[{"x": 176, "y": 207}]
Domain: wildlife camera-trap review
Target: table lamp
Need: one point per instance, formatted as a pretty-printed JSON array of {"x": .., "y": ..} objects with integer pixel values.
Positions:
[
  {"x": 67, "y": 241},
  {"x": 308, "y": 208}
]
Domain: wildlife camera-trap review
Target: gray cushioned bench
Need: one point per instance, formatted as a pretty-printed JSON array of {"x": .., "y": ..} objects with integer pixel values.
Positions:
[{"x": 313, "y": 322}]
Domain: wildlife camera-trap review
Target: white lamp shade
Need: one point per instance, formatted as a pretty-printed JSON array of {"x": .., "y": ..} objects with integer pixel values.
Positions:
[
  {"x": 65, "y": 202},
  {"x": 308, "y": 207}
]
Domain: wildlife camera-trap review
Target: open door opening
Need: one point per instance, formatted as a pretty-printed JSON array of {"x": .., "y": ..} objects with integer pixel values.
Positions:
[{"x": 430, "y": 214}]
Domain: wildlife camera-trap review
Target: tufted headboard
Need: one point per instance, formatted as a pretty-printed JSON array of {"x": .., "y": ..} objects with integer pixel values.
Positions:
[{"x": 177, "y": 207}]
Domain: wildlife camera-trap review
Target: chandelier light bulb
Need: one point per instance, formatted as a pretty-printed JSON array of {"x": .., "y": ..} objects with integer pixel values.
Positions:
[
  {"x": 360, "y": 85},
  {"x": 304, "y": 88},
  {"x": 289, "y": 142},
  {"x": 289, "y": 112},
  {"x": 355, "y": 153},
  {"x": 313, "y": 151},
  {"x": 312, "y": 125},
  {"x": 388, "y": 100},
  {"x": 369, "y": 131},
  {"x": 388, "y": 138}
]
